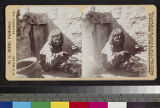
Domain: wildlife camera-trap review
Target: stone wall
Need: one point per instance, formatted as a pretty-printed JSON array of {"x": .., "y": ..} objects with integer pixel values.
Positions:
[
  {"x": 67, "y": 19},
  {"x": 132, "y": 18}
]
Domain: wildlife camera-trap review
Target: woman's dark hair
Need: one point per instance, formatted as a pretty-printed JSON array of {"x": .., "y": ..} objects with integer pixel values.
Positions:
[
  {"x": 111, "y": 41},
  {"x": 53, "y": 34}
]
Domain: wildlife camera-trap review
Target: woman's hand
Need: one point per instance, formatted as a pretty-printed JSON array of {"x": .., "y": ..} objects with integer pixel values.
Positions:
[{"x": 49, "y": 60}]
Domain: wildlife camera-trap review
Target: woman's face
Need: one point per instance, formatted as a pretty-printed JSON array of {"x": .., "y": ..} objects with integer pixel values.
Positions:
[
  {"x": 117, "y": 38},
  {"x": 56, "y": 40}
]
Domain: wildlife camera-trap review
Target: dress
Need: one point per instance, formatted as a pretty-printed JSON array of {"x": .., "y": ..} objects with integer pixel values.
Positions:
[{"x": 53, "y": 54}]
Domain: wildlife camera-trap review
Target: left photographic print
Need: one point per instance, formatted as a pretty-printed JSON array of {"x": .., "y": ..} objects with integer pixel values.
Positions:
[{"x": 48, "y": 42}]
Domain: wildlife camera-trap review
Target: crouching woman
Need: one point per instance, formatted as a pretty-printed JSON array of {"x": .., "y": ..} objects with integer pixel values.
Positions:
[{"x": 51, "y": 54}]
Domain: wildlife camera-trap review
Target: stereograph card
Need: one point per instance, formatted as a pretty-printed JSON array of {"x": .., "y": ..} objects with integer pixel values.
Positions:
[{"x": 81, "y": 42}]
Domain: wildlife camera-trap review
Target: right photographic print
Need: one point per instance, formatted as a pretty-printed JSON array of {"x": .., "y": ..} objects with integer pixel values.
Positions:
[{"x": 115, "y": 42}]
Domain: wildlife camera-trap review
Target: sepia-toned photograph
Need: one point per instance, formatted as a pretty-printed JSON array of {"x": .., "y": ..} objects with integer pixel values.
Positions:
[
  {"x": 114, "y": 41},
  {"x": 48, "y": 42},
  {"x": 81, "y": 42}
]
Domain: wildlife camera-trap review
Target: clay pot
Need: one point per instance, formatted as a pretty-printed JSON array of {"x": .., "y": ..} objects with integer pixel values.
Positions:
[{"x": 29, "y": 67}]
